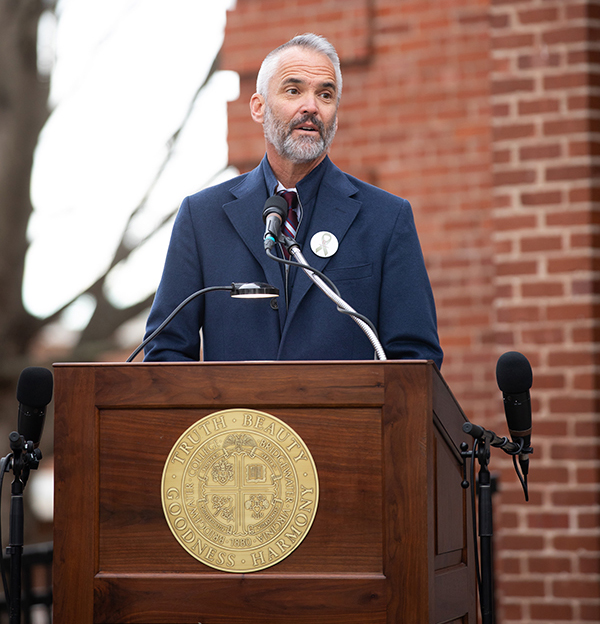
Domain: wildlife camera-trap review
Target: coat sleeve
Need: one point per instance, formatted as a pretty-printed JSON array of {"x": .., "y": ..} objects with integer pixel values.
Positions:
[
  {"x": 407, "y": 316},
  {"x": 182, "y": 276}
]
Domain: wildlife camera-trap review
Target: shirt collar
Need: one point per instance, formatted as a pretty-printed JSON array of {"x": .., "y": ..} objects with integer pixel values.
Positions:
[{"x": 307, "y": 187}]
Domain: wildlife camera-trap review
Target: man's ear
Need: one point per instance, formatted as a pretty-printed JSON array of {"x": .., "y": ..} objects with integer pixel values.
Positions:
[{"x": 257, "y": 108}]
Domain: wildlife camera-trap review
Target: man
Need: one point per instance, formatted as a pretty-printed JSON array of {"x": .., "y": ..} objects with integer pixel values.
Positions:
[{"x": 218, "y": 239}]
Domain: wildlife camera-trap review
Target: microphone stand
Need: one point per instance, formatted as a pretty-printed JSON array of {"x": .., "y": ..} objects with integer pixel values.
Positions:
[
  {"x": 294, "y": 250},
  {"x": 483, "y": 441},
  {"x": 24, "y": 458}
]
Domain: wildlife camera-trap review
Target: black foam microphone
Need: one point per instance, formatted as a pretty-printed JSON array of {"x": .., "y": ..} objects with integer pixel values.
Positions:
[
  {"x": 514, "y": 377},
  {"x": 274, "y": 215},
  {"x": 34, "y": 392}
]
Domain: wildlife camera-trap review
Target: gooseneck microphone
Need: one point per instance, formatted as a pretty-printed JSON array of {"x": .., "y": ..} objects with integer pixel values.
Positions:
[
  {"x": 514, "y": 377},
  {"x": 34, "y": 392},
  {"x": 274, "y": 215}
]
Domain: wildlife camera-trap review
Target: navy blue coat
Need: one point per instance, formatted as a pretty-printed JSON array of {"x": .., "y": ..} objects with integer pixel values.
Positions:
[{"x": 379, "y": 270}]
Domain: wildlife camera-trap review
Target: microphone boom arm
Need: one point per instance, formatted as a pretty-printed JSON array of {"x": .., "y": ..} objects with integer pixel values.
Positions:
[
  {"x": 510, "y": 448},
  {"x": 294, "y": 251}
]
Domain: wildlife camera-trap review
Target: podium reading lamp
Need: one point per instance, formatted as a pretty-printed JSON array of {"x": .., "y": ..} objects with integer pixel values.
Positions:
[{"x": 239, "y": 290}]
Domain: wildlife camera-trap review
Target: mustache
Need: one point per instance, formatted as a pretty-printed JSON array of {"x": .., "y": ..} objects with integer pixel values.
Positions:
[{"x": 295, "y": 123}]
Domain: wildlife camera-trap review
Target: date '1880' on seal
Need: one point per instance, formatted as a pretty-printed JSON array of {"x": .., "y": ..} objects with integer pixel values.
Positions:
[{"x": 240, "y": 490}]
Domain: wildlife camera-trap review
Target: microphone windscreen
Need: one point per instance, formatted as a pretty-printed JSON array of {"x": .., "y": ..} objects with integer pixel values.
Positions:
[
  {"x": 35, "y": 387},
  {"x": 276, "y": 204},
  {"x": 513, "y": 373}
]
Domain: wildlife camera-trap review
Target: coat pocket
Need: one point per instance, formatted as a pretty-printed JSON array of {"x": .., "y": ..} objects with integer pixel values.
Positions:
[{"x": 360, "y": 271}]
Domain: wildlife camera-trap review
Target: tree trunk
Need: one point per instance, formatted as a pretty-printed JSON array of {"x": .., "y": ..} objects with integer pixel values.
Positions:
[{"x": 23, "y": 111}]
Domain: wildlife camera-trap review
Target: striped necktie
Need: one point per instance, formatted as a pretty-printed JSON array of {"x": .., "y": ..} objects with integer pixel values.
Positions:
[{"x": 290, "y": 227}]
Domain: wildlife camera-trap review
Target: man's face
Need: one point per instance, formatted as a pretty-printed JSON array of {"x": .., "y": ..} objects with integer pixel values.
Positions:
[{"x": 300, "y": 113}]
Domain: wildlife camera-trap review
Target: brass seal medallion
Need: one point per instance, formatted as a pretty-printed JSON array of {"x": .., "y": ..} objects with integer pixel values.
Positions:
[{"x": 240, "y": 490}]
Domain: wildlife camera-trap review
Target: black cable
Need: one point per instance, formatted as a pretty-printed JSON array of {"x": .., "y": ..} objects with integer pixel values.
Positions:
[
  {"x": 357, "y": 315},
  {"x": 170, "y": 317},
  {"x": 331, "y": 285},
  {"x": 305, "y": 266},
  {"x": 514, "y": 454},
  {"x": 474, "y": 513},
  {"x": 522, "y": 479}
]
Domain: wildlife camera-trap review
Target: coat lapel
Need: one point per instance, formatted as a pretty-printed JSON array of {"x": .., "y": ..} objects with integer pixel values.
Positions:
[{"x": 245, "y": 214}]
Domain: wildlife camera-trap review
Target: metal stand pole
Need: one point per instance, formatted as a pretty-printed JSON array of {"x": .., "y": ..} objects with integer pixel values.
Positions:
[
  {"x": 15, "y": 550},
  {"x": 486, "y": 530},
  {"x": 24, "y": 458},
  {"x": 15, "y": 542}
]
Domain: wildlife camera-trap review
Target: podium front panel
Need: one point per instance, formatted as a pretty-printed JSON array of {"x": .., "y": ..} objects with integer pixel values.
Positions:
[{"x": 389, "y": 542}]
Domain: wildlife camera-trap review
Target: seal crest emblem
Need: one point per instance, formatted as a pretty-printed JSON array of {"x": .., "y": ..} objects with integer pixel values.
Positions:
[{"x": 240, "y": 490}]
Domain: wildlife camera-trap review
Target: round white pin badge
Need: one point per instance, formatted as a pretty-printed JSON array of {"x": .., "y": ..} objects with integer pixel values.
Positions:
[{"x": 324, "y": 244}]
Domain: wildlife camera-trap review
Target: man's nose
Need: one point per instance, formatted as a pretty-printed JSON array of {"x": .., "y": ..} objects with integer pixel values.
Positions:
[{"x": 309, "y": 104}]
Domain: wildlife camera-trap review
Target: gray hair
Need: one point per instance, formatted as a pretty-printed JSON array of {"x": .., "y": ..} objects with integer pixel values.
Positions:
[{"x": 308, "y": 41}]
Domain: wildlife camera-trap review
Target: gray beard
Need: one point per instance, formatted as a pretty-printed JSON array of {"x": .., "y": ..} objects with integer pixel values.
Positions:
[{"x": 300, "y": 149}]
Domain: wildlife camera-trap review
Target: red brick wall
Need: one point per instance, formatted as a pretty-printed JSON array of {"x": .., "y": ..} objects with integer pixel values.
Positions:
[
  {"x": 545, "y": 98},
  {"x": 485, "y": 115}
]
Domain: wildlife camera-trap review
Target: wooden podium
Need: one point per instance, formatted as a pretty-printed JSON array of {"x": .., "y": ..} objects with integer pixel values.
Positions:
[{"x": 391, "y": 539}]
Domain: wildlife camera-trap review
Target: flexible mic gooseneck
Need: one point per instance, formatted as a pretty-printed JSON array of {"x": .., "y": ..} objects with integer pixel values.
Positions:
[{"x": 277, "y": 205}]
